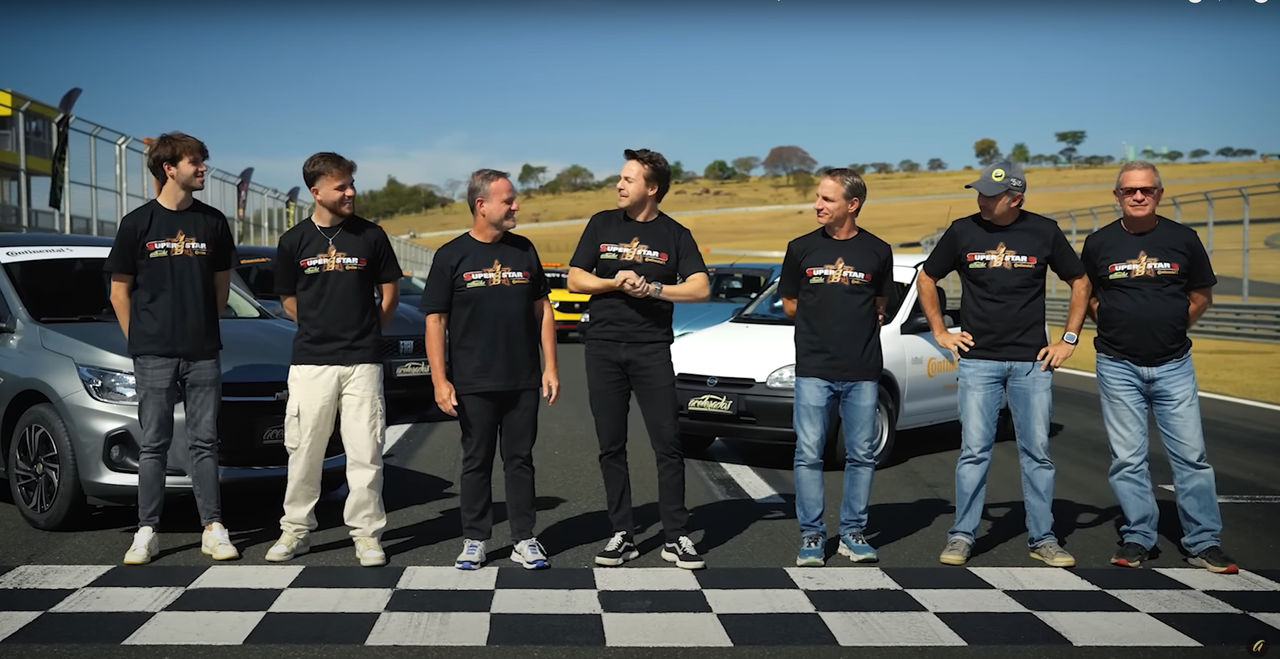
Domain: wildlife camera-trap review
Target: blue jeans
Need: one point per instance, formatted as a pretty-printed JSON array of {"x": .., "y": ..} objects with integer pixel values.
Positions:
[
  {"x": 1128, "y": 391},
  {"x": 857, "y": 402},
  {"x": 157, "y": 380},
  {"x": 984, "y": 385}
]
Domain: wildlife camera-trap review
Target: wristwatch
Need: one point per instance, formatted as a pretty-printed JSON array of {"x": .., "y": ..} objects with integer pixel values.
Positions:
[
  {"x": 655, "y": 289},
  {"x": 1071, "y": 338}
]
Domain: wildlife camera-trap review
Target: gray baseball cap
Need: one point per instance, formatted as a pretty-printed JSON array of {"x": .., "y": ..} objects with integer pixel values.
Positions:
[{"x": 1000, "y": 177}]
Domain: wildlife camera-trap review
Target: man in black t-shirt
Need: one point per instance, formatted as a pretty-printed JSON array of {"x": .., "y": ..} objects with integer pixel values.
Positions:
[
  {"x": 629, "y": 260},
  {"x": 1002, "y": 255},
  {"x": 327, "y": 269},
  {"x": 170, "y": 271},
  {"x": 1151, "y": 281},
  {"x": 487, "y": 291},
  {"x": 833, "y": 283}
]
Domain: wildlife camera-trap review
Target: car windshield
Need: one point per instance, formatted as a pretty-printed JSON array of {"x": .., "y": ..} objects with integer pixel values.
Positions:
[
  {"x": 767, "y": 308},
  {"x": 557, "y": 279},
  {"x": 412, "y": 285},
  {"x": 76, "y": 290},
  {"x": 260, "y": 276},
  {"x": 736, "y": 285}
]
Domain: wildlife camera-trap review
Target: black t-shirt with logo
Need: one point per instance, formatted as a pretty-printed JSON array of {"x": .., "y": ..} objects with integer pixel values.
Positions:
[
  {"x": 659, "y": 250},
  {"x": 173, "y": 256},
  {"x": 836, "y": 283},
  {"x": 335, "y": 284},
  {"x": 1002, "y": 273},
  {"x": 488, "y": 290},
  {"x": 1141, "y": 282}
]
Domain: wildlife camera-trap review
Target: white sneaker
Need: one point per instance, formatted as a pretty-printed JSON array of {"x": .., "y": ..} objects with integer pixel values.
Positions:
[
  {"x": 146, "y": 544},
  {"x": 369, "y": 551},
  {"x": 288, "y": 546},
  {"x": 472, "y": 556},
  {"x": 216, "y": 542},
  {"x": 530, "y": 555}
]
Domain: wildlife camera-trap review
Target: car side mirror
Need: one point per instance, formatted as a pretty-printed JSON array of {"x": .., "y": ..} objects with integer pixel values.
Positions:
[{"x": 916, "y": 324}]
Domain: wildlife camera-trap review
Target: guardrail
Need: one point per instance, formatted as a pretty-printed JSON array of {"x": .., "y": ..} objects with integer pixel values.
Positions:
[{"x": 1247, "y": 321}]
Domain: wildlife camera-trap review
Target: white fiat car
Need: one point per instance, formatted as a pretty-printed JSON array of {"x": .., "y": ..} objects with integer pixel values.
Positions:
[{"x": 737, "y": 379}]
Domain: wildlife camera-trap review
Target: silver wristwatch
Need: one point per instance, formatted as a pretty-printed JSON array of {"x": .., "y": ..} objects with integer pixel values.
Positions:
[
  {"x": 1071, "y": 338},
  {"x": 655, "y": 289}
]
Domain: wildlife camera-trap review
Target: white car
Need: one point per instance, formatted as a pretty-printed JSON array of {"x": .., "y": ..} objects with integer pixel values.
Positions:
[{"x": 737, "y": 379}]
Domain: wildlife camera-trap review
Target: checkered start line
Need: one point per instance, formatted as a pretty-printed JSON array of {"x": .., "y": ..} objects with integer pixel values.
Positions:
[{"x": 636, "y": 607}]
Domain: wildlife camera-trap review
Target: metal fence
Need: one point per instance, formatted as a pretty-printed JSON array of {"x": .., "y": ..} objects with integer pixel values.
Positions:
[
  {"x": 106, "y": 176},
  {"x": 1240, "y": 228}
]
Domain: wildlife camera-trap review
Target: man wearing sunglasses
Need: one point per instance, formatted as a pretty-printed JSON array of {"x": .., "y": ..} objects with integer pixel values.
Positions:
[{"x": 1151, "y": 281}]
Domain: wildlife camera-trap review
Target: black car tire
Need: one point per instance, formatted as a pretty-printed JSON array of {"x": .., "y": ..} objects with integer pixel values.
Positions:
[
  {"x": 696, "y": 443},
  {"x": 40, "y": 442},
  {"x": 886, "y": 433}
]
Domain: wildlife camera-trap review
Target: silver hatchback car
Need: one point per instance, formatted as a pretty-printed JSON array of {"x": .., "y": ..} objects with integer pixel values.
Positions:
[{"x": 68, "y": 409}]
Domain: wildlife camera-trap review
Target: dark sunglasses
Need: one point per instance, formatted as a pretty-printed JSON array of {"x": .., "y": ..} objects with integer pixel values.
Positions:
[{"x": 1129, "y": 192}]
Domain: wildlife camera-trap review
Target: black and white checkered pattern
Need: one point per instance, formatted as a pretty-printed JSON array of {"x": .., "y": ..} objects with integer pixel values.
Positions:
[{"x": 441, "y": 606}]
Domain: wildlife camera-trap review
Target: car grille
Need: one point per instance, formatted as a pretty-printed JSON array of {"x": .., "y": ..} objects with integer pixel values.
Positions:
[
  {"x": 696, "y": 381},
  {"x": 242, "y": 427},
  {"x": 267, "y": 390},
  {"x": 390, "y": 346},
  {"x": 566, "y": 306}
]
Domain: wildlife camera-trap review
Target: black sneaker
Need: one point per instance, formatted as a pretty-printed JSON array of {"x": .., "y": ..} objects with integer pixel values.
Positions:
[
  {"x": 620, "y": 549},
  {"x": 683, "y": 554},
  {"x": 1214, "y": 559},
  {"x": 1130, "y": 554}
]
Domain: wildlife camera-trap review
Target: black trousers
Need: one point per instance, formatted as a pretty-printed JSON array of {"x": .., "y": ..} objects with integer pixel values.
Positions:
[
  {"x": 511, "y": 416},
  {"x": 614, "y": 371}
]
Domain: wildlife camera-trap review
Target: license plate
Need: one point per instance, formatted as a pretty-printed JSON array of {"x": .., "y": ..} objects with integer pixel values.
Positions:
[
  {"x": 725, "y": 404},
  {"x": 409, "y": 368}
]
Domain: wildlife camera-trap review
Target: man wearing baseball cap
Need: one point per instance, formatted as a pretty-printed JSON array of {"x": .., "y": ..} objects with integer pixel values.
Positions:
[{"x": 1002, "y": 255}]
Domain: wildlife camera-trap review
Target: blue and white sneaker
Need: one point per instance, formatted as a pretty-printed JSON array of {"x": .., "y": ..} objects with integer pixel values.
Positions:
[
  {"x": 472, "y": 556},
  {"x": 857, "y": 548},
  {"x": 812, "y": 551},
  {"x": 530, "y": 555}
]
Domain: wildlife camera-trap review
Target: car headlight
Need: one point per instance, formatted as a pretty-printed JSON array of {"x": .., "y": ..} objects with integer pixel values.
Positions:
[
  {"x": 783, "y": 378},
  {"x": 109, "y": 386},
  {"x": 555, "y": 304}
]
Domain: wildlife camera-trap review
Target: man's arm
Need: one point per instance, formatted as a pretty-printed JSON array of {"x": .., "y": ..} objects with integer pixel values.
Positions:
[
  {"x": 390, "y": 298},
  {"x": 697, "y": 288},
  {"x": 581, "y": 281},
  {"x": 221, "y": 289},
  {"x": 1199, "y": 301},
  {"x": 547, "y": 337},
  {"x": 1092, "y": 309},
  {"x": 121, "y": 299},
  {"x": 927, "y": 291},
  {"x": 1054, "y": 354},
  {"x": 290, "y": 305},
  {"x": 789, "y": 305},
  {"x": 446, "y": 398}
]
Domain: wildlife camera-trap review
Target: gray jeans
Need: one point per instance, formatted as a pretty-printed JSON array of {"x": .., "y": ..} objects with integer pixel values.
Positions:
[{"x": 158, "y": 380}]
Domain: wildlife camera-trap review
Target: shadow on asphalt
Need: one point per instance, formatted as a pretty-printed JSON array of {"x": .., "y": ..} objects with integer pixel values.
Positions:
[{"x": 447, "y": 527}]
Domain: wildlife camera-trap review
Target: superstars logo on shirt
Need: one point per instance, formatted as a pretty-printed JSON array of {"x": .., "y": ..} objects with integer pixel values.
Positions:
[
  {"x": 495, "y": 275},
  {"x": 1143, "y": 266},
  {"x": 632, "y": 251},
  {"x": 837, "y": 273},
  {"x": 179, "y": 245},
  {"x": 1000, "y": 257},
  {"x": 331, "y": 260}
]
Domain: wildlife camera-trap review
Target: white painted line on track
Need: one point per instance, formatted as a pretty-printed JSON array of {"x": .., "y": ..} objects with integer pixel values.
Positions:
[
  {"x": 395, "y": 434},
  {"x": 1203, "y": 394},
  {"x": 1239, "y": 498},
  {"x": 745, "y": 477}
]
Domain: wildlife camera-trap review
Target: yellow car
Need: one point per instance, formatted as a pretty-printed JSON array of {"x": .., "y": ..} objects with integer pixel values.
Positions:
[{"x": 567, "y": 307}]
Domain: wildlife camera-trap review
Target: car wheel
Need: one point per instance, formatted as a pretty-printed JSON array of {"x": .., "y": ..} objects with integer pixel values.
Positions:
[
  {"x": 696, "y": 443},
  {"x": 43, "y": 478},
  {"x": 886, "y": 432}
]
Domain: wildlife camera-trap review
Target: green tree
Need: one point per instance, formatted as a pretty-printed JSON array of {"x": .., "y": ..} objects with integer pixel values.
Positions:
[
  {"x": 574, "y": 178},
  {"x": 677, "y": 171},
  {"x": 1225, "y": 152},
  {"x": 1068, "y": 154},
  {"x": 908, "y": 165},
  {"x": 936, "y": 165},
  {"x": 531, "y": 176},
  {"x": 986, "y": 151},
  {"x": 746, "y": 164},
  {"x": 719, "y": 170},
  {"x": 1173, "y": 156},
  {"x": 1197, "y": 154},
  {"x": 1148, "y": 154},
  {"x": 881, "y": 167},
  {"x": 787, "y": 161},
  {"x": 1245, "y": 153},
  {"x": 859, "y": 167},
  {"x": 1020, "y": 153},
  {"x": 1071, "y": 138},
  {"x": 803, "y": 182}
]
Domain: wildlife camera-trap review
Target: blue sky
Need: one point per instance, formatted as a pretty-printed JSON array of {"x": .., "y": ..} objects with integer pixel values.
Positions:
[{"x": 430, "y": 91}]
